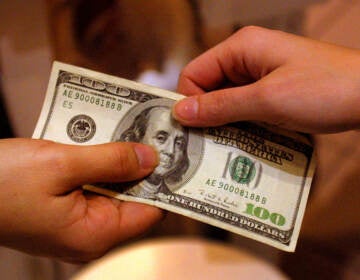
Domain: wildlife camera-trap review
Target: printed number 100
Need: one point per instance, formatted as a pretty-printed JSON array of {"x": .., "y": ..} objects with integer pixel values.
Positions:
[{"x": 264, "y": 214}]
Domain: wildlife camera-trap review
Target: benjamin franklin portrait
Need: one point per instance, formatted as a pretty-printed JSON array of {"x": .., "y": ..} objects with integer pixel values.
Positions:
[{"x": 153, "y": 125}]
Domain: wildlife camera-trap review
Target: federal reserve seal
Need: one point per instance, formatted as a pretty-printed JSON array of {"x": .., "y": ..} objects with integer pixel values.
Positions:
[{"x": 81, "y": 128}]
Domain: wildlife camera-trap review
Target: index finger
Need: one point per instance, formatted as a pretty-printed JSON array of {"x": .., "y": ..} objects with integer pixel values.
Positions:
[{"x": 241, "y": 59}]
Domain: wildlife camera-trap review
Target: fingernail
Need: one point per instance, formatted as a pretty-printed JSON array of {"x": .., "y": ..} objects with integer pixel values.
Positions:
[
  {"x": 186, "y": 109},
  {"x": 146, "y": 155}
]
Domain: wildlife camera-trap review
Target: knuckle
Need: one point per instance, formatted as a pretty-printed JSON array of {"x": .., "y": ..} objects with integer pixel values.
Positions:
[
  {"x": 187, "y": 84},
  {"x": 222, "y": 102},
  {"x": 251, "y": 32},
  {"x": 250, "y": 29},
  {"x": 255, "y": 37},
  {"x": 211, "y": 106},
  {"x": 184, "y": 74},
  {"x": 217, "y": 108}
]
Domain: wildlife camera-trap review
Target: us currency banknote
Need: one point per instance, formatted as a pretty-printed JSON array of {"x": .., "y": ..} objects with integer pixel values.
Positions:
[{"x": 246, "y": 178}]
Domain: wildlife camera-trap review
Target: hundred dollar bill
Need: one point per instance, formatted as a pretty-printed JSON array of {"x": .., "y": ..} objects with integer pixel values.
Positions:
[{"x": 246, "y": 178}]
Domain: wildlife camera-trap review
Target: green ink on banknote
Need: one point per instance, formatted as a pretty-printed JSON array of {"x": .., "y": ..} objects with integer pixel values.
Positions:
[{"x": 242, "y": 170}]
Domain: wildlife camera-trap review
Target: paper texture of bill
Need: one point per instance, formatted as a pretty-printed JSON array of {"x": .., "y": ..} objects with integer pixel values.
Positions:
[{"x": 246, "y": 178}]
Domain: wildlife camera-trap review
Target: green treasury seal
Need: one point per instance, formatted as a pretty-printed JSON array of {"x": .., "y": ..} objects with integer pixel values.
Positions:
[{"x": 242, "y": 170}]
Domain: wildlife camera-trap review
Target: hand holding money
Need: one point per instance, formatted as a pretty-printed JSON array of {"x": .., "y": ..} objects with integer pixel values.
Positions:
[
  {"x": 43, "y": 211},
  {"x": 246, "y": 178},
  {"x": 259, "y": 74}
]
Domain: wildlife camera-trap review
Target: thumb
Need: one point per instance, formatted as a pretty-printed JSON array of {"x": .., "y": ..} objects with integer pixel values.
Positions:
[
  {"x": 220, "y": 107},
  {"x": 112, "y": 162}
]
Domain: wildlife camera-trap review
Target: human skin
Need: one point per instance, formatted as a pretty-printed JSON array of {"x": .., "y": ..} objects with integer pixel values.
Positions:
[
  {"x": 44, "y": 211},
  {"x": 270, "y": 76}
]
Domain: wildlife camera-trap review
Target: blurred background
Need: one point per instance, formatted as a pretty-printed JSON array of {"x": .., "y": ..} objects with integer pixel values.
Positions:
[{"x": 150, "y": 41}]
